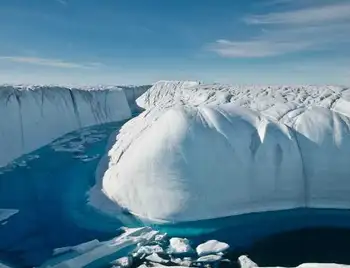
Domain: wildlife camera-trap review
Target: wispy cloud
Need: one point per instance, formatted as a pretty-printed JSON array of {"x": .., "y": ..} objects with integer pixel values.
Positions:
[
  {"x": 57, "y": 63},
  {"x": 322, "y": 14},
  {"x": 62, "y": 2},
  {"x": 275, "y": 2},
  {"x": 256, "y": 48},
  {"x": 305, "y": 29}
]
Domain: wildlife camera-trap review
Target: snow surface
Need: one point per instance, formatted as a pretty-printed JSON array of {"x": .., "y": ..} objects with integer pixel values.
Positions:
[
  {"x": 281, "y": 99},
  {"x": 33, "y": 116},
  {"x": 163, "y": 90},
  {"x": 269, "y": 148}
]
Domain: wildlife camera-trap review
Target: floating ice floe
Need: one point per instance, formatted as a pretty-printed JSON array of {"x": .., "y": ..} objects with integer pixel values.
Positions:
[
  {"x": 245, "y": 262},
  {"x": 124, "y": 262},
  {"x": 209, "y": 259},
  {"x": 81, "y": 248},
  {"x": 6, "y": 214},
  {"x": 211, "y": 247},
  {"x": 179, "y": 246}
]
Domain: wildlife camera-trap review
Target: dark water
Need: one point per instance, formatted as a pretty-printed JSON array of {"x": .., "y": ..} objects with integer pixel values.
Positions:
[
  {"x": 281, "y": 238},
  {"x": 321, "y": 245}
]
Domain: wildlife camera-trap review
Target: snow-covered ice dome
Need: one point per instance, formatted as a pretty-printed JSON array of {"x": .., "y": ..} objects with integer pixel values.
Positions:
[{"x": 191, "y": 157}]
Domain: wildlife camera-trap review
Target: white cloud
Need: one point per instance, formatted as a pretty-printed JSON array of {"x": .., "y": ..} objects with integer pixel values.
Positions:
[
  {"x": 312, "y": 28},
  {"x": 256, "y": 48},
  {"x": 57, "y": 63},
  {"x": 322, "y": 14}
]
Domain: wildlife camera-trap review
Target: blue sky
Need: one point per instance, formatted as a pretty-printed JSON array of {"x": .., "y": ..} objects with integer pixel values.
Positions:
[{"x": 141, "y": 41}]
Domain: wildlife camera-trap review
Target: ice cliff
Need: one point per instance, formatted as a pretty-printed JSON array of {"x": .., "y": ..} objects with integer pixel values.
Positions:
[
  {"x": 208, "y": 151},
  {"x": 33, "y": 116}
]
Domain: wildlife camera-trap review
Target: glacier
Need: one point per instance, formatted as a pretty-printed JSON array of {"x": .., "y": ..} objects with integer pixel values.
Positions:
[
  {"x": 201, "y": 161},
  {"x": 33, "y": 116},
  {"x": 249, "y": 149},
  {"x": 46, "y": 170}
]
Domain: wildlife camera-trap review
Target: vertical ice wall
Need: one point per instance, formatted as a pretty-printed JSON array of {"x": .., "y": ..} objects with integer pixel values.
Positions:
[
  {"x": 33, "y": 117},
  {"x": 132, "y": 93}
]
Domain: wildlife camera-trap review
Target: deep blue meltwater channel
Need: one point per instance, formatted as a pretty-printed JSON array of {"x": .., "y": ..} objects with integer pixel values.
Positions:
[
  {"x": 278, "y": 238},
  {"x": 48, "y": 187}
]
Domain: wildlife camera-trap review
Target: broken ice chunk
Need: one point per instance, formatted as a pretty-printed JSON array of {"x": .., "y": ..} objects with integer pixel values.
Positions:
[
  {"x": 124, "y": 262},
  {"x": 149, "y": 250},
  {"x": 104, "y": 252},
  {"x": 187, "y": 262},
  {"x": 179, "y": 246},
  {"x": 160, "y": 237},
  {"x": 209, "y": 259},
  {"x": 81, "y": 248},
  {"x": 143, "y": 266},
  {"x": 5, "y": 214},
  {"x": 211, "y": 247},
  {"x": 245, "y": 262},
  {"x": 154, "y": 257}
]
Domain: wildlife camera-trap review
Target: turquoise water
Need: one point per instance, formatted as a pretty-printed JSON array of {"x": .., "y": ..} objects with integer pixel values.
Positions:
[{"x": 49, "y": 187}]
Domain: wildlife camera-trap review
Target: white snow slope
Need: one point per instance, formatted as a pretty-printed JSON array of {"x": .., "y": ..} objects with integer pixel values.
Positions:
[
  {"x": 34, "y": 116},
  {"x": 271, "y": 148}
]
